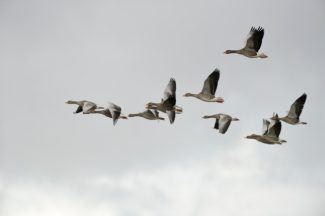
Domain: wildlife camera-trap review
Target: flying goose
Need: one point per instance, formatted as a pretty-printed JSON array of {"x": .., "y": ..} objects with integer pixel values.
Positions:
[
  {"x": 295, "y": 110},
  {"x": 84, "y": 106},
  {"x": 168, "y": 103},
  {"x": 112, "y": 111},
  {"x": 222, "y": 121},
  {"x": 148, "y": 114},
  {"x": 209, "y": 89},
  {"x": 253, "y": 44},
  {"x": 270, "y": 134}
]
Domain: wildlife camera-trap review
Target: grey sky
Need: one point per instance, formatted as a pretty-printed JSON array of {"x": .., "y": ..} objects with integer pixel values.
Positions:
[{"x": 57, "y": 163}]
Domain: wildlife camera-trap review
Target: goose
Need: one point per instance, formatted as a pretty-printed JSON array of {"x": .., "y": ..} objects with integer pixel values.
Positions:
[
  {"x": 148, "y": 114},
  {"x": 209, "y": 89},
  {"x": 168, "y": 103},
  {"x": 222, "y": 121},
  {"x": 84, "y": 106},
  {"x": 112, "y": 111},
  {"x": 270, "y": 134},
  {"x": 253, "y": 44},
  {"x": 295, "y": 110}
]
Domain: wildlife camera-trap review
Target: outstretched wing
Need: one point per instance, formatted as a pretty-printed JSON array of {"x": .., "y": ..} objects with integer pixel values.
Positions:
[
  {"x": 88, "y": 106},
  {"x": 211, "y": 83},
  {"x": 297, "y": 106},
  {"x": 171, "y": 116},
  {"x": 79, "y": 109},
  {"x": 170, "y": 94},
  {"x": 156, "y": 113},
  {"x": 255, "y": 38},
  {"x": 274, "y": 129},
  {"x": 224, "y": 123},
  {"x": 266, "y": 124},
  {"x": 115, "y": 111},
  {"x": 216, "y": 125}
]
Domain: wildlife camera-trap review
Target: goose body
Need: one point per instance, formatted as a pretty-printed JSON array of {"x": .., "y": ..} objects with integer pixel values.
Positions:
[
  {"x": 253, "y": 44},
  {"x": 148, "y": 114},
  {"x": 293, "y": 116},
  {"x": 222, "y": 121},
  {"x": 271, "y": 132},
  {"x": 209, "y": 89},
  {"x": 168, "y": 103},
  {"x": 112, "y": 111},
  {"x": 84, "y": 106}
]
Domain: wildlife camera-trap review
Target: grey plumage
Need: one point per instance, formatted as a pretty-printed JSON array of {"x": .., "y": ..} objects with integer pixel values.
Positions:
[
  {"x": 222, "y": 122},
  {"x": 293, "y": 116},
  {"x": 211, "y": 83},
  {"x": 254, "y": 40},
  {"x": 271, "y": 132}
]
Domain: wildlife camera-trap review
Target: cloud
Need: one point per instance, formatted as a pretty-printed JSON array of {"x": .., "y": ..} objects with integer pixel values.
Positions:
[{"x": 232, "y": 184}]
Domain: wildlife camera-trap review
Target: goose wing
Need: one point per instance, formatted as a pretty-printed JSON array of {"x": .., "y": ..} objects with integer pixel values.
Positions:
[
  {"x": 216, "y": 124},
  {"x": 156, "y": 113},
  {"x": 255, "y": 38},
  {"x": 266, "y": 124},
  {"x": 79, "y": 109},
  {"x": 297, "y": 106},
  {"x": 149, "y": 113},
  {"x": 88, "y": 106},
  {"x": 170, "y": 94},
  {"x": 274, "y": 129},
  {"x": 171, "y": 116},
  {"x": 211, "y": 83},
  {"x": 224, "y": 123},
  {"x": 115, "y": 111}
]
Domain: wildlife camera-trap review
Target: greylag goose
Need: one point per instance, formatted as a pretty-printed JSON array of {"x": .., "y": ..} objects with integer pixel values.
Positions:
[
  {"x": 112, "y": 111},
  {"x": 209, "y": 89},
  {"x": 84, "y": 106},
  {"x": 168, "y": 103},
  {"x": 295, "y": 110},
  {"x": 222, "y": 121},
  {"x": 253, "y": 44},
  {"x": 271, "y": 132},
  {"x": 148, "y": 114}
]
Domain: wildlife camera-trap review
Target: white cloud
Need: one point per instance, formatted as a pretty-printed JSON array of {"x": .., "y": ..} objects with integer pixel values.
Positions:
[{"x": 233, "y": 184}]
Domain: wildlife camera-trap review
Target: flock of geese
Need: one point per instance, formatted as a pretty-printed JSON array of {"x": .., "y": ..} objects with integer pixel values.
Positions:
[{"x": 271, "y": 128}]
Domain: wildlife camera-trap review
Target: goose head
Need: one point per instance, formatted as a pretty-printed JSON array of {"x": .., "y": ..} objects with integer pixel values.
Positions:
[
  {"x": 235, "y": 119},
  {"x": 189, "y": 95},
  {"x": 229, "y": 51},
  {"x": 70, "y": 102},
  {"x": 252, "y": 136}
]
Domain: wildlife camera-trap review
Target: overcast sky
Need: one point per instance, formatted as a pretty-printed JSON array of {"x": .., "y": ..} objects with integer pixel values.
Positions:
[{"x": 55, "y": 163}]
